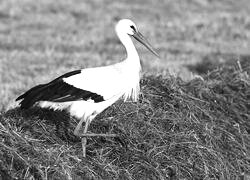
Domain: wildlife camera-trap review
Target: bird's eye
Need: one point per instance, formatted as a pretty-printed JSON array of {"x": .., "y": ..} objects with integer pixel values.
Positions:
[{"x": 133, "y": 28}]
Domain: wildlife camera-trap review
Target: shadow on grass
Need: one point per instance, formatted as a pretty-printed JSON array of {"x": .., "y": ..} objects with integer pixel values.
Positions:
[
  {"x": 43, "y": 121},
  {"x": 213, "y": 61}
]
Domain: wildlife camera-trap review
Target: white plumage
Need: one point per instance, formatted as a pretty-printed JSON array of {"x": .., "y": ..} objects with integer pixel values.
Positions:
[
  {"x": 113, "y": 80},
  {"x": 86, "y": 93}
]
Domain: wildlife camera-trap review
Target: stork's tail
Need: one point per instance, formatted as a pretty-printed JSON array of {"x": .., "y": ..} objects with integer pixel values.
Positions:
[{"x": 31, "y": 96}]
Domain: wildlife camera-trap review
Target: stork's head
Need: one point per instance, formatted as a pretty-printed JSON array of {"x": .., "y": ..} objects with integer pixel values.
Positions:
[{"x": 127, "y": 26}]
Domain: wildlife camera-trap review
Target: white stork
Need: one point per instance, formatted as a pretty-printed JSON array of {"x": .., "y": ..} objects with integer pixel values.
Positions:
[{"x": 87, "y": 92}]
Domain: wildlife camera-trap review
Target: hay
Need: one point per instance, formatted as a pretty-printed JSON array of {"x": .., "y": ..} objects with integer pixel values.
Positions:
[{"x": 179, "y": 130}]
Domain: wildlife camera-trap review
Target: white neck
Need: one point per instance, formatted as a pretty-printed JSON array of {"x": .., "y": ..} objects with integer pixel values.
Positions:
[{"x": 132, "y": 55}]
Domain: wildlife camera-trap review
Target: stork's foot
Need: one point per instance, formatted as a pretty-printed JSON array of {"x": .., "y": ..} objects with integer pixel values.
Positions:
[{"x": 84, "y": 139}]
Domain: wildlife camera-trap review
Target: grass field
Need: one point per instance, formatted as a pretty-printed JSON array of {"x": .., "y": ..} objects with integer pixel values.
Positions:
[{"x": 184, "y": 127}]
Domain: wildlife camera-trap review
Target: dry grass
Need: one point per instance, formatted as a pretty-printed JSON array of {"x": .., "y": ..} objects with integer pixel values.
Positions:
[{"x": 178, "y": 130}]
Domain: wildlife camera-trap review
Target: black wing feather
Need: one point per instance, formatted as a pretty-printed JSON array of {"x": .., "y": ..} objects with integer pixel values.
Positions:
[{"x": 57, "y": 91}]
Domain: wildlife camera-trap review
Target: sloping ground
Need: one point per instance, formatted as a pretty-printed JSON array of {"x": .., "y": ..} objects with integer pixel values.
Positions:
[{"x": 178, "y": 130}]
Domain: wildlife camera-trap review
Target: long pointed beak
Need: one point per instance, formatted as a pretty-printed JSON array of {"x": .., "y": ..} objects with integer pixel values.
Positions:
[{"x": 139, "y": 37}]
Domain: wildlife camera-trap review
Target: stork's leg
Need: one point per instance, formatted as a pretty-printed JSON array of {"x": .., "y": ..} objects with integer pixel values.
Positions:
[
  {"x": 84, "y": 134},
  {"x": 79, "y": 127},
  {"x": 84, "y": 139},
  {"x": 77, "y": 133}
]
